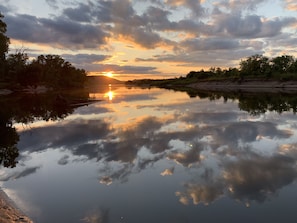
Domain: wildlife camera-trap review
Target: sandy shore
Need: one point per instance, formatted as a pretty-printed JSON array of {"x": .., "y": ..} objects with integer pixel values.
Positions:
[{"x": 9, "y": 213}]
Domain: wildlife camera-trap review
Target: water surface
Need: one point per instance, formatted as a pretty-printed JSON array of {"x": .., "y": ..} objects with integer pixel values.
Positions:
[{"x": 155, "y": 155}]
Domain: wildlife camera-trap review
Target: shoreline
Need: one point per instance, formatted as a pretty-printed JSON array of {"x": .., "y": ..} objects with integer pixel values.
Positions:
[
  {"x": 247, "y": 86},
  {"x": 9, "y": 213}
]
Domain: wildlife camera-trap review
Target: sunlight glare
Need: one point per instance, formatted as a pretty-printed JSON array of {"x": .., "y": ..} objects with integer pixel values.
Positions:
[{"x": 109, "y": 74}]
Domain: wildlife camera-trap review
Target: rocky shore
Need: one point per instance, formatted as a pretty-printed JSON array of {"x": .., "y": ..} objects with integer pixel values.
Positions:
[{"x": 9, "y": 213}]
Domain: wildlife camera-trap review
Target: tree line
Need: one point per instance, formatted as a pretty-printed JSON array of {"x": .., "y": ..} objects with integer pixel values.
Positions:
[
  {"x": 257, "y": 66},
  {"x": 17, "y": 70}
]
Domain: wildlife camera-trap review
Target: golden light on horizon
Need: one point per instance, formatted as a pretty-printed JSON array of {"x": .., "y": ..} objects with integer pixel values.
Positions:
[{"x": 108, "y": 74}]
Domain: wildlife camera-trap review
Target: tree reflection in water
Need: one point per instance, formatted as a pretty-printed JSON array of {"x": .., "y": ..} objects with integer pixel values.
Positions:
[
  {"x": 9, "y": 139},
  {"x": 254, "y": 103},
  {"x": 27, "y": 108}
]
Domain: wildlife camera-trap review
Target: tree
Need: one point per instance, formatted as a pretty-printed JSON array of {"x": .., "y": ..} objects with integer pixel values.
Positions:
[
  {"x": 4, "y": 40},
  {"x": 4, "y": 44},
  {"x": 282, "y": 64},
  {"x": 256, "y": 65},
  {"x": 57, "y": 73},
  {"x": 293, "y": 67},
  {"x": 16, "y": 64}
]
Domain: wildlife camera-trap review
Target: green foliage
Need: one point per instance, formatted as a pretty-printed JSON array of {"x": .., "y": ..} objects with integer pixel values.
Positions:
[
  {"x": 282, "y": 64},
  {"x": 256, "y": 65},
  {"x": 281, "y": 68}
]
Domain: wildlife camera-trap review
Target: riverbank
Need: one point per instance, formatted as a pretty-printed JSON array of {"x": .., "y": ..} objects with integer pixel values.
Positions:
[
  {"x": 9, "y": 213},
  {"x": 223, "y": 85},
  {"x": 246, "y": 86}
]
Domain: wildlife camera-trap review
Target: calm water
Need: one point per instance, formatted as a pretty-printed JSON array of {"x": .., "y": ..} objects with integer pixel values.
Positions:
[{"x": 157, "y": 156}]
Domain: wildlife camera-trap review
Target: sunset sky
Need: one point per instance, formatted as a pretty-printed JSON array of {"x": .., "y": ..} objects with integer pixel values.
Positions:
[{"x": 151, "y": 38}]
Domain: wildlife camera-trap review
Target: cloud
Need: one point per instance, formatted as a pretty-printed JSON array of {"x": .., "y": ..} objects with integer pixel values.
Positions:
[
  {"x": 82, "y": 13},
  {"x": 193, "y": 5},
  {"x": 209, "y": 44},
  {"x": 274, "y": 27},
  {"x": 291, "y": 5},
  {"x": 135, "y": 70},
  {"x": 250, "y": 26},
  {"x": 93, "y": 66},
  {"x": 52, "y": 3},
  {"x": 192, "y": 52},
  {"x": 241, "y": 27},
  {"x": 88, "y": 62},
  {"x": 239, "y": 5},
  {"x": 59, "y": 31},
  {"x": 184, "y": 29}
]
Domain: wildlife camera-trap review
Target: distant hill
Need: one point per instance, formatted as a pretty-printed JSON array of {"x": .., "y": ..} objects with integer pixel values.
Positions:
[{"x": 101, "y": 80}]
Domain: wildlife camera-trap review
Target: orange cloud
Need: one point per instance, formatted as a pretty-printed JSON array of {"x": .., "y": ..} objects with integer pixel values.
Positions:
[{"x": 291, "y": 5}]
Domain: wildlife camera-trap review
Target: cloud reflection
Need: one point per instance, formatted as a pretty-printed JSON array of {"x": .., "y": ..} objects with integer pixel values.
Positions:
[
  {"x": 189, "y": 157},
  {"x": 200, "y": 193},
  {"x": 253, "y": 178},
  {"x": 106, "y": 180},
  {"x": 97, "y": 216},
  {"x": 168, "y": 172},
  {"x": 64, "y": 160},
  {"x": 19, "y": 174},
  {"x": 241, "y": 170},
  {"x": 257, "y": 178}
]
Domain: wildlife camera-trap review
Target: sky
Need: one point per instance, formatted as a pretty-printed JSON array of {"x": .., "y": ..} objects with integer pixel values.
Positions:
[{"x": 135, "y": 39}]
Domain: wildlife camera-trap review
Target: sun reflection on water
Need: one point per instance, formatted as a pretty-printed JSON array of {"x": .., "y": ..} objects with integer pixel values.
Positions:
[{"x": 109, "y": 94}]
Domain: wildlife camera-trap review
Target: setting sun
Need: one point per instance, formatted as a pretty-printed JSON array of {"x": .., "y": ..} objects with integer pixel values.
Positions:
[{"x": 109, "y": 74}]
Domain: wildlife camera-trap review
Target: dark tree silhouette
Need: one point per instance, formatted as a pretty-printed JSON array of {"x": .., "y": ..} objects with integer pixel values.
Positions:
[
  {"x": 8, "y": 140},
  {"x": 4, "y": 44}
]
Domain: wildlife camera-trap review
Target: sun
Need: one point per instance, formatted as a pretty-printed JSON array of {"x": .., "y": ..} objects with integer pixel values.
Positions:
[{"x": 109, "y": 74}]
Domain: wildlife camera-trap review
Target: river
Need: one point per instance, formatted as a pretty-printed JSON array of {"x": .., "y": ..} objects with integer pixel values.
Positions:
[{"x": 154, "y": 155}]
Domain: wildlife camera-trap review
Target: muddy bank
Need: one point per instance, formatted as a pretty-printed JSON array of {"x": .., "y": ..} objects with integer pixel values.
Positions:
[
  {"x": 9, "y": 213},
  {"x": 246, "y": 86}
]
